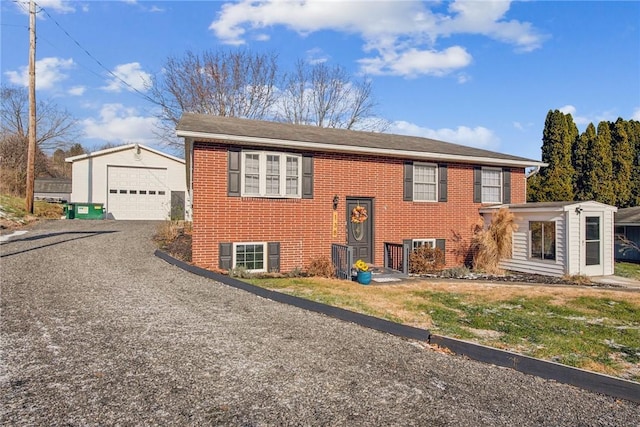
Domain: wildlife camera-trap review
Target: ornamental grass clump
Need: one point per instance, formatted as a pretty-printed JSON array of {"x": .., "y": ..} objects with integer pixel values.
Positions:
[{"x": 494, "y": 243}]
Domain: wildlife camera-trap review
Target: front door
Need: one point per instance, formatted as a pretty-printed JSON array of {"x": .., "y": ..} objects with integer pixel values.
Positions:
[
  {"x": 592, "y": 244},
  {"x": 360, "y": 228}
]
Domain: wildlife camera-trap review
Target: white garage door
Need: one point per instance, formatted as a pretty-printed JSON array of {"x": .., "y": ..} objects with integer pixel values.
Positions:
[{"x": 137, "y": 193}]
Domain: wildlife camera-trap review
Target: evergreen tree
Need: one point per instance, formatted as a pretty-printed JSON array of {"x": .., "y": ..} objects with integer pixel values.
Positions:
[
  {"x": 599, "y": 166},
  {"x": 622, "y": 154},
  {"x": 556, "y": 181},
  {"x": 633, "y": 132},
  {"x": 583, "y": 188}
]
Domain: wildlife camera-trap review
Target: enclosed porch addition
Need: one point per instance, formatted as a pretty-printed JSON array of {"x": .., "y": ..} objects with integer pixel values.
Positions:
[{"x": 561, "y": 238}]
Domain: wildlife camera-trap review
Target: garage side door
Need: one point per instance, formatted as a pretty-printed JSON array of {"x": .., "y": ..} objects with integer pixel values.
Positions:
[{"x": 137, "y": 193}]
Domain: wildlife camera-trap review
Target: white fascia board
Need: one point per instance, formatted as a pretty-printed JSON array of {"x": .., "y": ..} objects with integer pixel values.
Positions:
[
  {"x": 121, "y": 148},
  {"x": 302, "y": 145}
]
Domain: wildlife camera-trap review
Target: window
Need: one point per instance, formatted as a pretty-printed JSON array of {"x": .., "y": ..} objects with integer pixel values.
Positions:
[
  {"x": 491, "y": 185},
  {"x": 543, "y": 239},
  {"x": 416, "y": 243},
  {"x": 425, "y": 178},
  {"x": 250, "y": 256},
  {"x": 267, "y": 174}
]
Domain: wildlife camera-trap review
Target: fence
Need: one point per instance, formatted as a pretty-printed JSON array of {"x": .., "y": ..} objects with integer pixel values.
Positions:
[{"x": 342, "y": 259}]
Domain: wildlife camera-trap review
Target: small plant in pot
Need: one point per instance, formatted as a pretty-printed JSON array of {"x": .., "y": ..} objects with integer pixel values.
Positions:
[{"x": 364, "y": 275}]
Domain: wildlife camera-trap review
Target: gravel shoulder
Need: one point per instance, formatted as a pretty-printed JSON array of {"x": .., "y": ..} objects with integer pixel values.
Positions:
[{"x": 95, "y": 330}]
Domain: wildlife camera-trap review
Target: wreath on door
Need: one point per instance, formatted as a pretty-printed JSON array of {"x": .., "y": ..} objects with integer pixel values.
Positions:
[{"x": 359, "y": 214}]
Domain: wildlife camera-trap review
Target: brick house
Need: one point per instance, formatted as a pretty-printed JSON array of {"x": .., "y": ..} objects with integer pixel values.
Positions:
[{"x": 273, "y": 197}]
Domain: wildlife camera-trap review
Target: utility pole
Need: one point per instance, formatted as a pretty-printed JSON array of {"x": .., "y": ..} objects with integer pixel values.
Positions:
[{"x": 31, "y": 151}]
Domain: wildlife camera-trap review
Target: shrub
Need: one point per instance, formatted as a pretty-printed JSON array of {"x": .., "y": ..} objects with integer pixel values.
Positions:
[
  {"x": 426, "y": 259},
  {"x": 240, "y": 272},
  {"x": 456, "y": 272},
  {"x": 321, "y": 267}
]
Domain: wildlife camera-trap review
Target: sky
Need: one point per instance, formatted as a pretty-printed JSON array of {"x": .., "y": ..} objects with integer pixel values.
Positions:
[{"x": 477, "y": 73}]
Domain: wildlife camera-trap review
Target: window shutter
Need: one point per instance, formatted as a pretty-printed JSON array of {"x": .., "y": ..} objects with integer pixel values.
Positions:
[
  {"x": 440, "y": 244},
  {"x": 233, "y": 187},
  {"x": 442, "y": 183},
  {"x": 477, "y": 184},
  {"x": 506, "y": 186},
  {"x": 225, "y": 255},
  {"x": 273, "y": 254},
  {"x": 408, "y": 181},
  {"x": 307, "y": 177}
]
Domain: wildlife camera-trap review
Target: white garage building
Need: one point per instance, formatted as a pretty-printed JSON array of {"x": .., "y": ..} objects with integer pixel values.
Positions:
[{"x": 133, "y": 182}]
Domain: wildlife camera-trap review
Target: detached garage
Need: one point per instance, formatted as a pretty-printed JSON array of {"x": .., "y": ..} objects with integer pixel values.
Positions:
[{"x": 132, "y": 181}]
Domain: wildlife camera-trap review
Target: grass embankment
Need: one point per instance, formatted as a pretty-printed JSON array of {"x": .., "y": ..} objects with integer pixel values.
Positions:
[
  {"x": 13, "y": 210},
  {"x": 589, "y": 328},
  {"x": 628, "y": 269}
]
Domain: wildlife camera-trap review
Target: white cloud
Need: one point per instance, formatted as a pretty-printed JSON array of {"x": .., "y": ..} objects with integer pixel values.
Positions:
[
  {"x": 478, "y": 136},
  {"x": 77, "y": 90},
  {"x": 316, "y": 56},
  {"x": 130, "y": 73},
  {"x": 581, "y": 120},
  {"x": 636, "y": 114},
  {"x": 400, "y": 35},
  {"x": 59, "y": 6},
  {"x": 49, "y": 72},
  {"x": 118, "y": 124}
]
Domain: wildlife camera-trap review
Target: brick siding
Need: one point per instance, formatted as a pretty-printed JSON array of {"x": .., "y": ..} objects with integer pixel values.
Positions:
[{"x": 304, "y": 226}]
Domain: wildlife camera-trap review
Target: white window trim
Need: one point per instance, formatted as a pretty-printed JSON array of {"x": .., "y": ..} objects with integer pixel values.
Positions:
[
  {"x": 262, "y": 174},
  {"x": 482, "y": 186},
  {"x": 264, "y": 251},
  {"x": 422, "y": 242},
  {"x": 414, "y": 182},
  {"x": 542, "y": 259}
]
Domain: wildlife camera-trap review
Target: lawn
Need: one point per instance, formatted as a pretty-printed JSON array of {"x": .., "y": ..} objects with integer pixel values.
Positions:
[
  {"x": 590, "y": 328},
  {"x": 628, "y": 269}
]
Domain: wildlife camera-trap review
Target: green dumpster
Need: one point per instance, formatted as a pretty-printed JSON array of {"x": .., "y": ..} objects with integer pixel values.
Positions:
[
  {"x": 69, "y": 211},
  {"x": 88, "y": 210}
]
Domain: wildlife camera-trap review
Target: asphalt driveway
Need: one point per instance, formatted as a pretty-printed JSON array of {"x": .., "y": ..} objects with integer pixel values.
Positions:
[{"x": 95, "y": 330}]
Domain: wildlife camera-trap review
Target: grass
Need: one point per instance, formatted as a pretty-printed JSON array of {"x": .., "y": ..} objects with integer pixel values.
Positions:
[
  {"x": 14, "y": 209},
  {"x": 628, "y": 269},
  {"x": 593, "y": 329}
]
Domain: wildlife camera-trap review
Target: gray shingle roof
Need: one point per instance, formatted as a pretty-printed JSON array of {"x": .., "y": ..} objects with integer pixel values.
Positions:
[
  {"x": 52, "y": 185},
  {"x": 628, "y": 216},
  {"x": 203, "y": 126}
]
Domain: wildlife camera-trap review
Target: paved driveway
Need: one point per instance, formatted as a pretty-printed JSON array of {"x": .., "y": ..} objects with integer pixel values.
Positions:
[{"x": 95, "y": 330}]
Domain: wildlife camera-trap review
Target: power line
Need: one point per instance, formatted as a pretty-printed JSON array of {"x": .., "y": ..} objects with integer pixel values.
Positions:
[{"x": 148, "y": 98}]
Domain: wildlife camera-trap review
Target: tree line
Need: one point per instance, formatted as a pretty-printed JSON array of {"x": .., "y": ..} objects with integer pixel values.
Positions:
[{"x": 602, "y": 163}]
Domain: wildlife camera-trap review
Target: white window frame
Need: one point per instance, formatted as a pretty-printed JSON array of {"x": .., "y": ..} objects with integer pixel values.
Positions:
[
  {"x": 262, "y": 175},
  {"x": 499, "y": 186},
  {"x": 434, "y": 183},
  {"x": 264, "y": 252},
  {"x": 416, "y": 243},
  {"x": 541, "y": 258}
]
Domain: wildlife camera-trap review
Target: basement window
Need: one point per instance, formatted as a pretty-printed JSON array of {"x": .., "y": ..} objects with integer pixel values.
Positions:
[{"x": 251, "y": 256}]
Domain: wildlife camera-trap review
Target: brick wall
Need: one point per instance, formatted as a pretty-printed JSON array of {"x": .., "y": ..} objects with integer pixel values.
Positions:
[{"x": 304, "y": 226}]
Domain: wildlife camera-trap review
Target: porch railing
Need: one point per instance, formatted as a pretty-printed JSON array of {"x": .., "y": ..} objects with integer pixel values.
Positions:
[
  {"x": 342, "y": 259},
  {"x": 396, "y": 256}
]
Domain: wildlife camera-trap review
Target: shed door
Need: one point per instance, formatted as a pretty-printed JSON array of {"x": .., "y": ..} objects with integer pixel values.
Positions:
[
  {"x": 360, "y": 232},
  {"x": 137, "y": 193},
  {"x": 592, "y": 244}
]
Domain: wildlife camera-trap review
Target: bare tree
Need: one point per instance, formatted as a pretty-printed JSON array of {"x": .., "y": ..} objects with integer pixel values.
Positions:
[
  {"x": 328, "y": 97},
  {"x": 55, "y": 127},
  {"x": 232, "y": 83}
]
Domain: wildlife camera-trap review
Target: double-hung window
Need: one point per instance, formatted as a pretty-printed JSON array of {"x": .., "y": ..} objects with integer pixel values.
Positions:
[
  {"x": 491, "y": 185},
  {"x": 271, "y": 174},
  {"x": 425, "y": 182}
]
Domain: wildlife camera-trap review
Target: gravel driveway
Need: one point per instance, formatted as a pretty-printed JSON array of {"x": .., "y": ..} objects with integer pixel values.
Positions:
[{"x": 95, "y": 330}]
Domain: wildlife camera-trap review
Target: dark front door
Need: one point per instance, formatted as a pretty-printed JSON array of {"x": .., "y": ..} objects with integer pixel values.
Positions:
[{"x": 360, "y": 228}]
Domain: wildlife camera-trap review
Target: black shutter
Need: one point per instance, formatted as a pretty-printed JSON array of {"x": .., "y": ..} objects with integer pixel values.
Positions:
[
  {"x": 233, "y": 174},
  {"x": 477, "y": 184},
  {"x": 408, "y": 181},
  {"x": 506, "y": 186},
  {"x": 273, "y": 257},
  {"x": 225, "y": 255},
  {"x": 307, "y": 177},
  {"x": 440, "y": 244},
  {"x": 442, "y": 183}
]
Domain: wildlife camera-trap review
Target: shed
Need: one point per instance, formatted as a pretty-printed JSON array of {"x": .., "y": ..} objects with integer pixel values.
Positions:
[
  {"x": 52, "y": 189},
  {"x": 134, "y": 182},
  {"x": 561, "y": 238},
  {"x": 628, "y": 234}
]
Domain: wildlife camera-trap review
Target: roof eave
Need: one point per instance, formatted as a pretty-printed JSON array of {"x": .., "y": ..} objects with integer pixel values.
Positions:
[{"x": 315, "y": 146}]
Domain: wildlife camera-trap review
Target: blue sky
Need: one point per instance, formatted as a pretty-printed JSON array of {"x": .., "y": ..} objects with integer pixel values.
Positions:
[{"x": 478, "y": 73}]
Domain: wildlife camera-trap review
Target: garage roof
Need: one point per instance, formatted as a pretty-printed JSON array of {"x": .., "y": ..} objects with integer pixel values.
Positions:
[{"x": 121, "y": 148}]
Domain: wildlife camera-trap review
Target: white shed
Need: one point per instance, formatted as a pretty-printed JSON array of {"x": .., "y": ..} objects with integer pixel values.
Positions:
[
  {"x": 132, "y": 181},
  {"x": 561, "y": 238}
]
